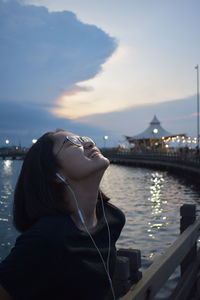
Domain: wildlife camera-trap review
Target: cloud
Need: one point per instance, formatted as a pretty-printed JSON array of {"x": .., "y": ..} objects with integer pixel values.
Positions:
[
  {"x": 44, "y": 54},
  {"x": 23, "y": 122}
]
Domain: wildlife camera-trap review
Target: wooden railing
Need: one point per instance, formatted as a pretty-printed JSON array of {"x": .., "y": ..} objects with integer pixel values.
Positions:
[{"x": 182, "y": 252}]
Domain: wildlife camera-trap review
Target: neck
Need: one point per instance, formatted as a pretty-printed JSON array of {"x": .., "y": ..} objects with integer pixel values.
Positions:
[{"x": 85, "y": 192}]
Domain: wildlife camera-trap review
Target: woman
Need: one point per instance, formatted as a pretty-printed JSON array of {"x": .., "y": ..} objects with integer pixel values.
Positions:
[{"x": 69, "y": 230}]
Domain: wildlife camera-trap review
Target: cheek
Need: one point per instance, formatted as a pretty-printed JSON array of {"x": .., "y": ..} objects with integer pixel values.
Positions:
[{"x": 75, "y": 166}]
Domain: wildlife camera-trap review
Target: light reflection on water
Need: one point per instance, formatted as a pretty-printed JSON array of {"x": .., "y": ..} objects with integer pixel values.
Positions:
[
  {"x": 7, "y": 167},
  {"x": 150, "y": 200},
  {"x": 9, "y": 171}
]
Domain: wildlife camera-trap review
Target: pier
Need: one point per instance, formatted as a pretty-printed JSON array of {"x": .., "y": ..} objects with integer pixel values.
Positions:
[
  {"x": 13, "y": 153},
  {"x": 182, "y": 164}
]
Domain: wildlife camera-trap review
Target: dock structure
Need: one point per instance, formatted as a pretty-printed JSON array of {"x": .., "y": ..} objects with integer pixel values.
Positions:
[
  {"x": 183, "y": 164},
  {"x": 13, "y": 153},
  {"x": 184, "y": 253}
]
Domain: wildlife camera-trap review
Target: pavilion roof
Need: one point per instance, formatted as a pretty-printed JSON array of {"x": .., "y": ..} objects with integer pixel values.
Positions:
[{"x": 154, "y": 131}]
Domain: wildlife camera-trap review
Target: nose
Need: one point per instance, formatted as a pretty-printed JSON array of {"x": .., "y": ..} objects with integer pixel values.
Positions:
[{"x": 88, "y": 144}]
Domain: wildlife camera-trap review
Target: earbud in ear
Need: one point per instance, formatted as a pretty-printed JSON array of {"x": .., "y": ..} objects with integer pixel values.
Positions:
[{"x": 60, "y": 177}]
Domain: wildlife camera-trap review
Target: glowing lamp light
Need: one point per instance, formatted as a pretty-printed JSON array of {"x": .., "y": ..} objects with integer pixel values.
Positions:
[
  {"x": 7, "y": 142},
  {"x": 105, "y": 137},
  {"x": 155, "y": 130},
  {"x": 34, "y": 141}
]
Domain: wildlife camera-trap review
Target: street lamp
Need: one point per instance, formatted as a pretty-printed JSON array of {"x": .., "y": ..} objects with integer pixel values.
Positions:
[
  {"x": 34, "y": 141},
  {"x": 7, "y": 142},
  {"x": 105, "y": 138},
  {"x": 197, "y": 68}
]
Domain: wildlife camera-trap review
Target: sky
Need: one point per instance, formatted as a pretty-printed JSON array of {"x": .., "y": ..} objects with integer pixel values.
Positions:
[{"x": 97, "y": 67}]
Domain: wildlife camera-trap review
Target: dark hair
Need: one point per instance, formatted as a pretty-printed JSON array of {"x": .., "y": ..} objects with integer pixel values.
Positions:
[{"x": 37, "y": 192}]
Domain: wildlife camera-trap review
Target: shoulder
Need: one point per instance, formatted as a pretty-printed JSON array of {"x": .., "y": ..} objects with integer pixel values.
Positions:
[
  {"x": 115, "y": 211},
  {"x": 45, "y": 232},
  {"x": 41, "y": 242},
  {"x": 115, "y": 218},
  {"x": 36, "y": 257},
  {"x": 48, "y": 224}
]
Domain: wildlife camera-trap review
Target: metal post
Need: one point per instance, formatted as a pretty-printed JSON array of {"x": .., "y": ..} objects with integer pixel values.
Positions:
[
  {"x": 105, "y": 139},
  {"x": 188, "y": 217},
  {"x": 197, "y": 68}
]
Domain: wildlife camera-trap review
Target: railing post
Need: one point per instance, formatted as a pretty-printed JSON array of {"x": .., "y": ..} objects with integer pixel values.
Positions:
[
  {"x": 188, "y": 217},
  {"x": 127, "y": 270}
]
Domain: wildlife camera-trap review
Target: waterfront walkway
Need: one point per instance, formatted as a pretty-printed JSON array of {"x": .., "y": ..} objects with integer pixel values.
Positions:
[
  {"x": 180, "y": 163},
  {"x": 13, "y": 153}
]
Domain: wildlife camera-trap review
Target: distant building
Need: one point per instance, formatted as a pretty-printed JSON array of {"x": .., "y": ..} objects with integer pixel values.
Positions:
[{"x": 153, "y": 137}]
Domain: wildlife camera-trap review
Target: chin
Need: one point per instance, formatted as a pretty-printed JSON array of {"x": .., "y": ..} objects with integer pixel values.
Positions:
[
  {"x": 107, "y": 161},
  {"x": 103, "y": 158},
  {"x": 98, "y": 167},
  {"x": 104, "y": 162}
]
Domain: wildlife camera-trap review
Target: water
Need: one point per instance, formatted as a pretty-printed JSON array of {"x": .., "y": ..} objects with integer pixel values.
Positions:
[{"x": 150, "y": 200}]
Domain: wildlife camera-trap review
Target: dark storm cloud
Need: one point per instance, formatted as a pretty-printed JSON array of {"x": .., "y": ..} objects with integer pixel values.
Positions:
[
  {"x": 31, "y": 121},
  {"x": 44, "y": 53}
]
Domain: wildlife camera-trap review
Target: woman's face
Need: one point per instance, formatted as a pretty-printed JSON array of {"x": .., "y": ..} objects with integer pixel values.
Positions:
[{"x": 78, "y": 162}]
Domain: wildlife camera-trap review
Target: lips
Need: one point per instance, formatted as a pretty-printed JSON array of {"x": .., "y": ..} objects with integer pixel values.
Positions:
[{"x": 93, "y": 153}]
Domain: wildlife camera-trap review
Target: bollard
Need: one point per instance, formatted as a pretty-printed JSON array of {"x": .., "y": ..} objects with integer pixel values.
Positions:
[
  {"x": 134, "y": 256},
  {"x": 127, "y": 270},
  {"x": 188, "y": 217}
]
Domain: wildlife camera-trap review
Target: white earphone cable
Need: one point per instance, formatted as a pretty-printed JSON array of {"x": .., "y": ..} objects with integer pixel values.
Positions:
[
  {"x": 106, "y": 266},
  {"x": 109, "y": 237}
]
